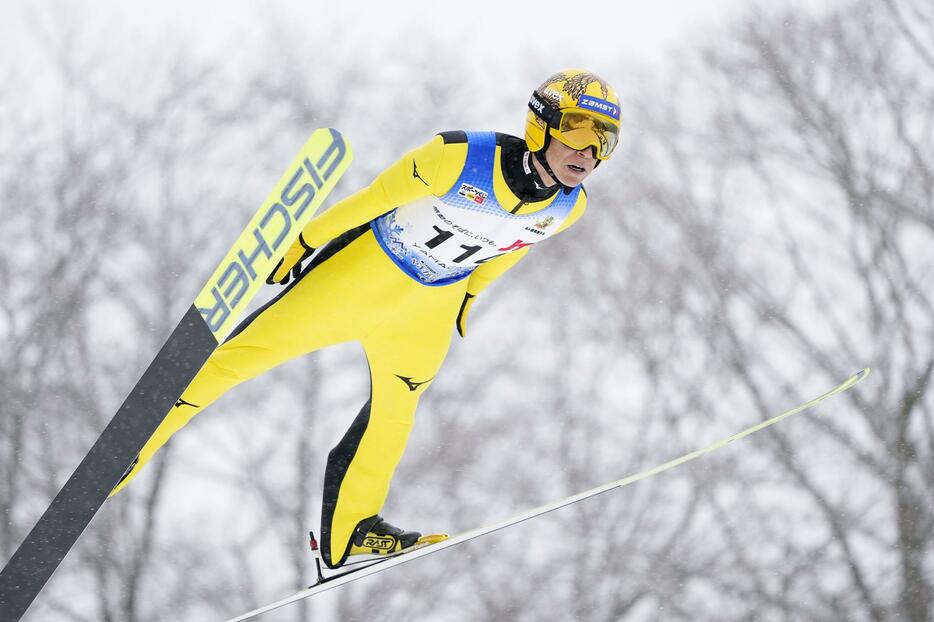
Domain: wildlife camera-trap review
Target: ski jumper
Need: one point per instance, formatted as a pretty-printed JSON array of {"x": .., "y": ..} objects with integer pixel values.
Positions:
[{"x": 398, "y": 264}]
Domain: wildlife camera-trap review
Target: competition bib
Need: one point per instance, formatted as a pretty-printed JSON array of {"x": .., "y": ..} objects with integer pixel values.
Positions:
[{"x": 440, "y": 240}]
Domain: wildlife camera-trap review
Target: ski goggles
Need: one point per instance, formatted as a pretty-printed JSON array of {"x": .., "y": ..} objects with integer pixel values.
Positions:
[{"x": 578, "y": 129}]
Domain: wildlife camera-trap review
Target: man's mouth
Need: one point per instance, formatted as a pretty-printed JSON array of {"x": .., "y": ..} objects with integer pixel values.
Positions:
[{"x": 576, "y": 168}]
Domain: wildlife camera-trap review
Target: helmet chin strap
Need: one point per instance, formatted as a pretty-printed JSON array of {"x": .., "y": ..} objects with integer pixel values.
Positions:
[{"x": 540, "y": 156}]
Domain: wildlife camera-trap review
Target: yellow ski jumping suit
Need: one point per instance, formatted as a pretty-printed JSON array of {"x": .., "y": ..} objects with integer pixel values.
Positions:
[{"x": 398, "y": 266}]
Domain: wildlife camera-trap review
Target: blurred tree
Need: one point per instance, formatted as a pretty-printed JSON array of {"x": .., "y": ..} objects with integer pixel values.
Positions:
[
  {"x": 765, "y": 232},
  {"x": 803, "y": 208}
]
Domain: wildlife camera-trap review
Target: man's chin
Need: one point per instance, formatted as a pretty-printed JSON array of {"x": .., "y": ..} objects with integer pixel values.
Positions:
[{"x": 572, "y": 180}]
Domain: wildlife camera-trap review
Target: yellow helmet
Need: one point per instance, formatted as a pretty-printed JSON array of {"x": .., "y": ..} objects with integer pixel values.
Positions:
[{"x": 576, "y": 107}]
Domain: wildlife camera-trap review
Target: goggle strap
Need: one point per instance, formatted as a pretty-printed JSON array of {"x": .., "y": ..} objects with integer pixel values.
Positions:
[{"x": 543, "y": 109}]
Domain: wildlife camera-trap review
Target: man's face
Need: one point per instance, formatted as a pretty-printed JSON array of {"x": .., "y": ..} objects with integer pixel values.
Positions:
[{"x": 570, "y": 165}]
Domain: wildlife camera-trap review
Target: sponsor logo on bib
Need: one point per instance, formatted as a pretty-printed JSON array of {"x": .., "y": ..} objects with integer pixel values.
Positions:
[
  {"x": 539, "y": 227},
  {"x": 472, "y": 193}
]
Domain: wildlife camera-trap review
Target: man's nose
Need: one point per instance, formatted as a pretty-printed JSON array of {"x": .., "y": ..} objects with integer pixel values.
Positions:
[{"x": 587, "y": 153}]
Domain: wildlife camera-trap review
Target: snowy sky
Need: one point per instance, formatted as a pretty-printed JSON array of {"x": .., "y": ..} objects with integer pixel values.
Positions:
[
  {"x": 503, "y": 41},
  {"x": 560, "y": 30}
]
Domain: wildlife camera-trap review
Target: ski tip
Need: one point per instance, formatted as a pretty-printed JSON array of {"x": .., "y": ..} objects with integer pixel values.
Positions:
[
  {"x": 330, "y": 132},
  {"x": 852, "y": 380}
]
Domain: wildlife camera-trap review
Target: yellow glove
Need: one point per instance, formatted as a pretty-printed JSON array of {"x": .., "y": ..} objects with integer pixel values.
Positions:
[
  {"x": 290, "y": 265},
  {"x": 462, "y": 314}
]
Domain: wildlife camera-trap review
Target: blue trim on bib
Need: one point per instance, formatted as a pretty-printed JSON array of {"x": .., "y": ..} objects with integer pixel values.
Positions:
[{"x": 474, "y": 187}]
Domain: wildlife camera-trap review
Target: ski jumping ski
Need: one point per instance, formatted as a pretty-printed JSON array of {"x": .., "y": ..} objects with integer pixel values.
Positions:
[
  {"x": 213, "y": 315},
  {"x": 326, "y": 583}
]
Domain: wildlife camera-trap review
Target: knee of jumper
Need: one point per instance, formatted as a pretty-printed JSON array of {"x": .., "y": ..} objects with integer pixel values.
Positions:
[
  {"x": 394, "y": 407},
  {"x": 238, "y": 361},
  {"x": 222, "y": 371}
]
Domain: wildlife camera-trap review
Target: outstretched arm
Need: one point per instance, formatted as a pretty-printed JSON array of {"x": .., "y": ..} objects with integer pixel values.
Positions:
[{"x": 419, "y": 173}]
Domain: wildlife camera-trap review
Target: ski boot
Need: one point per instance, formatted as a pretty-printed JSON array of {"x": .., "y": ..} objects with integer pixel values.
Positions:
[{"x": 374, "y": 536}]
